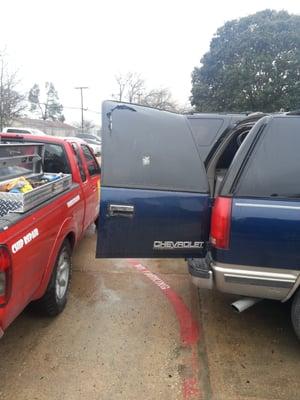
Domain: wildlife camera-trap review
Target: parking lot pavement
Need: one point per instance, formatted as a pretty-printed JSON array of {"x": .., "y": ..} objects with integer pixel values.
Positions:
[
  {"x": 137, "y": 329},
  {"x": 253, "y": 355},
  {"x": 118, "y": 337}
]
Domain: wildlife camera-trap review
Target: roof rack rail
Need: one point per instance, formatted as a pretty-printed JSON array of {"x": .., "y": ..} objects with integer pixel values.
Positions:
[{"x": 294, "y": 112}]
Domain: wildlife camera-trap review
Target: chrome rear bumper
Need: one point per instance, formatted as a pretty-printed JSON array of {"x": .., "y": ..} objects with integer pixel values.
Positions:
[{"x": 267, "y": 283}]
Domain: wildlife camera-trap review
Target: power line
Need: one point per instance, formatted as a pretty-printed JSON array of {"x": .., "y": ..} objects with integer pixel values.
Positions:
[
  {"x": 95, "y": 112},
  {"x": 85, "y": 109},
  {"x": 72, "y": 108},
  {"x": 75, "y": 108}
]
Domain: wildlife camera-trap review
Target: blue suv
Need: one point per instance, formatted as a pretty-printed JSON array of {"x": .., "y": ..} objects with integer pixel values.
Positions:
[{"x": 221, "y": 190}]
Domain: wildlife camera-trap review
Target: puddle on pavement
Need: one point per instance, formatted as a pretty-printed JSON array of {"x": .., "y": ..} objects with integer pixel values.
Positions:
[{"x": 90, "y": 289}]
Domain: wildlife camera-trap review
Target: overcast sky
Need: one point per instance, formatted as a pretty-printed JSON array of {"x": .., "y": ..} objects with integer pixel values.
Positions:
[{"x": 73, "y": 43}]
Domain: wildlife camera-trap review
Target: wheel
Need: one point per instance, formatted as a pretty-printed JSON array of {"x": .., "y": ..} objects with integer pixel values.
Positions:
[
  {"x": 54, "y": 300},
  {"x": 295, "y": 313}
]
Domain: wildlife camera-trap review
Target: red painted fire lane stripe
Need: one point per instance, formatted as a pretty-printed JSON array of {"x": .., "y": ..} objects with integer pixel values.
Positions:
[{"x": 189, "y": 331}]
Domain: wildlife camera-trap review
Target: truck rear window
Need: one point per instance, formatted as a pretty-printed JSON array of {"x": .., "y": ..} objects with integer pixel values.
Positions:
[
  {"x": 273, "y": 168},
  {"x": 55, "y": 159}
]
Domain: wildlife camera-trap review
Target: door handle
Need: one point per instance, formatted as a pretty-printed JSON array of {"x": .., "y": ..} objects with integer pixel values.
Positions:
[{"x": 120, "y": 210}]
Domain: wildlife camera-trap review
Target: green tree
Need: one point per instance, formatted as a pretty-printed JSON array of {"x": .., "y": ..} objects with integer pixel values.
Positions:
[
  {"x": 46, "y": 105},
  {"x": 253, "y": 65}
]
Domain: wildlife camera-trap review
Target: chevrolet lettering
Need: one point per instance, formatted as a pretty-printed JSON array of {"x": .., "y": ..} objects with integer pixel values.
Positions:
[{"x": 169, "y": 245}]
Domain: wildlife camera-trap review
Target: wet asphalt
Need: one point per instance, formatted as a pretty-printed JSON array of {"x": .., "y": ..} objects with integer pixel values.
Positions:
[{"x": 140, "y": 330}]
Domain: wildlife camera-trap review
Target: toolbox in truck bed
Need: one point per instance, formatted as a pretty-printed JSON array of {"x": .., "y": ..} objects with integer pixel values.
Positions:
[{"x": 23, "y": 184}]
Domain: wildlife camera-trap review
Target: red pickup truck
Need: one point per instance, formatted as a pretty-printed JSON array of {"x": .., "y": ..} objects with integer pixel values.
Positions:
[{"x": 36, "y": 245}]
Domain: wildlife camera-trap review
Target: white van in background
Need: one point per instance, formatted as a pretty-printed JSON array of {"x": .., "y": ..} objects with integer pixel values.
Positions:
[{"x": 26, "y": 131}]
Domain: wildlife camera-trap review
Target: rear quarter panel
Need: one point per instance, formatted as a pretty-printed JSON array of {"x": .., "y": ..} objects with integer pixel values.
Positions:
[{"x": 264, "y": 233}]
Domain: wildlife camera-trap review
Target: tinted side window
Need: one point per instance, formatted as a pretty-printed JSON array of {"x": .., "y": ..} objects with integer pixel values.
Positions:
[
  {"x": 92, "y": 164},
  {"x": 79, "y": 162},
  {"x": 273, "y": 168},
  {"x": 55, "y": 159},
  {"x": 205, "y": 129},
  {"x": 232, "y": 147}
]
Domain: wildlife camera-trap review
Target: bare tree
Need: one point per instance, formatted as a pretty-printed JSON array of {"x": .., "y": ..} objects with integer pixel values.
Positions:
[
  {"x": 135, "y": 87},
  {"x": 121, "y": 82},
  {"x": 186, "y": 108},
  {"x": 160, "y": 99},
  {"x": 12, "y": 103},
  {"x": 131, "y": 87},
  {"x": 88, "y": 125}
]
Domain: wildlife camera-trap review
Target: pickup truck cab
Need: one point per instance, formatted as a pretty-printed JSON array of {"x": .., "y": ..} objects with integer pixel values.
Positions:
[
  {"x": 36, "y": 245},
  {"x": 219, "y": 190}
]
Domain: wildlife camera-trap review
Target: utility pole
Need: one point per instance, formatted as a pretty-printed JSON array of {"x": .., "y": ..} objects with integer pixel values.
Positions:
[{"x": 81, "y": 88}]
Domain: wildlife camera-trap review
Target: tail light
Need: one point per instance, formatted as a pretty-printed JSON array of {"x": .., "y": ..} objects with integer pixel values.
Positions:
[
  {"x": 220, "y": 222},
  {"x": 5, "y": 275}
]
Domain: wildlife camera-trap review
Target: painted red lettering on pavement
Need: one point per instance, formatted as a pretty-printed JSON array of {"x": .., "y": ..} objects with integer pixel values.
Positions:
[{"x": 189, "y": 330}]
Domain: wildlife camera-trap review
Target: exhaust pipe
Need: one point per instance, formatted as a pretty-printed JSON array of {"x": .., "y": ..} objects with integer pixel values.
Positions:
[{"x": 244, "y": 303}]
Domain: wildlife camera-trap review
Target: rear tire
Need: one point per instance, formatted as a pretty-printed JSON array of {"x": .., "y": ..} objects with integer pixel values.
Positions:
[
  {"x": 295, "y": 313},
  {"x": 55, "y": 299}
]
